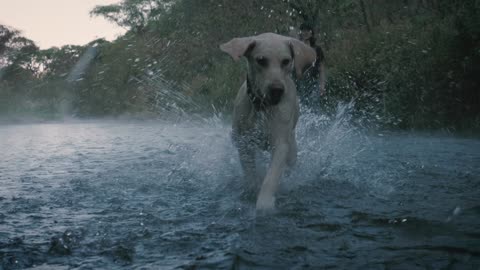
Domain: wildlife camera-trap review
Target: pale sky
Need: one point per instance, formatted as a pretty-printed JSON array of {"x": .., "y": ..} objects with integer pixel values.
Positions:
[{"x": 57, "y": 22}]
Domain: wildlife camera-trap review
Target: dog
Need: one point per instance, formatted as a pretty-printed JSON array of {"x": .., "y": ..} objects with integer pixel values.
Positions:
[{"x": 266, "y": 108}]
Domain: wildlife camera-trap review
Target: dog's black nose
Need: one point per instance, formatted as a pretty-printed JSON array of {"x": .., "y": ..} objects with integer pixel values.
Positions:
[{"x": 275, "y": 93}]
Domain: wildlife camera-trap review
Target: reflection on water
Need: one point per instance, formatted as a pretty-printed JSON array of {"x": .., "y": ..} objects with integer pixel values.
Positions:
[{"x": 105, "y": 194}]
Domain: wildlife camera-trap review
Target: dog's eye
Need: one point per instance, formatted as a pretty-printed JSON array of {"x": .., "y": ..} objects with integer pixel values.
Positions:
[
  {"x": 285, "y": 62},
  {"x": 262, "y": 61}
]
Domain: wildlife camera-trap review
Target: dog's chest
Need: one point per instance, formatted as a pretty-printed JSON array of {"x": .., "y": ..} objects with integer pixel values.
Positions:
[{"x": 260, "y": 131}]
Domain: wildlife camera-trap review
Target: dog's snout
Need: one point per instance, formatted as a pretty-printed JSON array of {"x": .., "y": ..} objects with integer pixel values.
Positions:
[
  {"x": 276, "y": 87},
  {"x": 275, "y": 92}
]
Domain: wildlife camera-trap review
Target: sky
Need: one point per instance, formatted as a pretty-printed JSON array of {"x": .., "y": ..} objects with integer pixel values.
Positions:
[{"x": 57, "y": 22}]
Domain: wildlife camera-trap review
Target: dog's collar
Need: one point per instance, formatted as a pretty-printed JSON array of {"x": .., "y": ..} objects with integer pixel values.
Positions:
[{"x": 258, "y": 103}]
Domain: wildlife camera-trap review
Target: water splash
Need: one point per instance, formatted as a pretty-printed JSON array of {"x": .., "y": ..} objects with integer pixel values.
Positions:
[
  {"x": 334, "y": 148},
  {"x": 330, "y": 148}
]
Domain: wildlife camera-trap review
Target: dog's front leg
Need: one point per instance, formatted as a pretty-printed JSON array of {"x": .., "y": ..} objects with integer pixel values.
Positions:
[
  {"x": 246, "y": 153},
  {"x": 266, "y": 197},
  {"x": 247, "y": 160}
]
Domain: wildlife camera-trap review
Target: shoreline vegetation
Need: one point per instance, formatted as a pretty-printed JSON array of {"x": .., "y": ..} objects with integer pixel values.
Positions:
[{"x": 403, "y": 65}]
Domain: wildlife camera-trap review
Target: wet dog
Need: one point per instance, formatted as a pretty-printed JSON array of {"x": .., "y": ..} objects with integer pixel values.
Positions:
[{"x": 266, "y": 107}]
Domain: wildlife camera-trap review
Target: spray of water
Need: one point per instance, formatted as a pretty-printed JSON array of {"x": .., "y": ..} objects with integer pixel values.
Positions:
[
  {"x": 330, "y": 149},
  {"x": 335, "y": 148}
]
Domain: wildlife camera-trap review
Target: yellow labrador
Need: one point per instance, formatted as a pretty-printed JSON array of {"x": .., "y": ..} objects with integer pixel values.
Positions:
[{"x": 266, "y": 107}]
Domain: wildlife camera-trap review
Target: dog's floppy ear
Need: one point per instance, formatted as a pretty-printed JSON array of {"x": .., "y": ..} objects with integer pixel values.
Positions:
[
  {"x": 303, "y": 55},
  {"x": 237, "y": 47}
]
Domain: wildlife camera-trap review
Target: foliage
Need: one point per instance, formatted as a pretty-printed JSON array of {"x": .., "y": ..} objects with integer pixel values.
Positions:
[
  {"x": 406, "y": 64},
  {"x": 133, "y": 14}
]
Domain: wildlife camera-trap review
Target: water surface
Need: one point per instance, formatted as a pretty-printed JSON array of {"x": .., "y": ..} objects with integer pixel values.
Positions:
[{"x": 160, "y": 195}]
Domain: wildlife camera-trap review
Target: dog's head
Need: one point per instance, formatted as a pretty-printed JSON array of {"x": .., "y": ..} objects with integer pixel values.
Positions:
[{"x": 271, "y": 59}]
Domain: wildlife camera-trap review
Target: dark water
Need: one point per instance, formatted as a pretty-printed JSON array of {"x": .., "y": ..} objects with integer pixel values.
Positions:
[{"x": 151, "y": 195}]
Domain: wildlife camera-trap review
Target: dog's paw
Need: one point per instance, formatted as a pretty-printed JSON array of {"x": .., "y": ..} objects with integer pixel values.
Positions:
[{"x": 265, "y": 203}]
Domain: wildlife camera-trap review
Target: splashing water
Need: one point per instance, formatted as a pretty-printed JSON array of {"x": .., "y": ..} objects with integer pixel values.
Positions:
[{"x": 335, "y": 148}]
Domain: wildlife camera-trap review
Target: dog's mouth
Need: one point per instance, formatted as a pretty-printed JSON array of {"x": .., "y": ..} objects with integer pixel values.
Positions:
[
  {"x": 274, "y": 96},
  {"x": 261, "y": 100}
]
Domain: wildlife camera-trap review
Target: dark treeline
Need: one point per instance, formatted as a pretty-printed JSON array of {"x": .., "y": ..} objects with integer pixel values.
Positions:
[{"x": 405, "y": 64}]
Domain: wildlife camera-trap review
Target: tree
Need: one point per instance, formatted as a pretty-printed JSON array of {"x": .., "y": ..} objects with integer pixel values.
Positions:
[
  {"x": 15, "y": 51},
  {"x": 6, "y": 35},
  {"x": 13, "y": 45},
  {"x": 133, "y": 15}
]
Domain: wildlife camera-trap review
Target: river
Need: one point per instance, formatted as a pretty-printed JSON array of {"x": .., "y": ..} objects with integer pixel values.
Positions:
[{"x": 169, "y": 195}]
